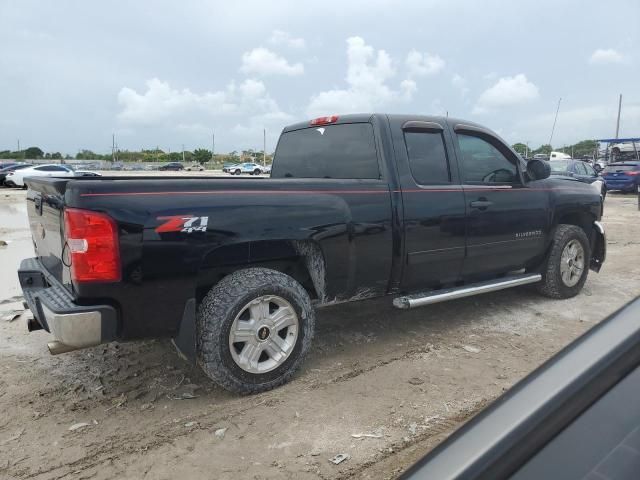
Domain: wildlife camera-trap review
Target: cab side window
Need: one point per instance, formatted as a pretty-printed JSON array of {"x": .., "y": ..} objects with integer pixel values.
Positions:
[
  {"x": 483, "y": 163},
  {"x": 427, "y": 157}
]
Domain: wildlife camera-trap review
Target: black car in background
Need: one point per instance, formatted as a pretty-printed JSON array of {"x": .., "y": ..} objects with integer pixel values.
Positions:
[
  {"x": 579, "y": 170},
  {"x": 11, "y": 168},
  {"x": 175, "y": 166}
]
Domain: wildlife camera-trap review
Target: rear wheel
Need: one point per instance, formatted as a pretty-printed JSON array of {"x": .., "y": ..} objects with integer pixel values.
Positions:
[
  {"x": 256, "y": 171},
  {"x": 567, "y": 265},
  {"x": 254, "y": 330}
]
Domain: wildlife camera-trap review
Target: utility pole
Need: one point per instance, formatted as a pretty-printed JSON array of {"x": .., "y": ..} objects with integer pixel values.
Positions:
[
  {"x": 554, "y": 123},
  {"x": 113, "y": 148},
  {"x": 264, "y": 147},
  {"x": 18, "y": 145},
  {"x": 526, "y": 152},
  {"x": 183, "y": 153},
  {"x": 213, "y": 144},
  {"x": 619, "y": 110}
]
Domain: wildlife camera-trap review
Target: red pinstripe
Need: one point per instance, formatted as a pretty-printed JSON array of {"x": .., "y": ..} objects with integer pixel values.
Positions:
[{"x": 315, "y": 192}]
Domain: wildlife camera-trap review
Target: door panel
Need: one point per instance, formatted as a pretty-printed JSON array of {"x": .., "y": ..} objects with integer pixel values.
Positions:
[
  {"x": 434, "y": 206},
  {"x": 507, "y": 220}
]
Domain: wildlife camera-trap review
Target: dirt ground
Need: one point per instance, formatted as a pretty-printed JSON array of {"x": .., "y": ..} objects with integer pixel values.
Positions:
[{"x": 407, "y": 379}]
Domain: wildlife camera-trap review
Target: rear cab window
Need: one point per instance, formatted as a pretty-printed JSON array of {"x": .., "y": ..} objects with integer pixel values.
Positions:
[{"x": 345, "y": 151}]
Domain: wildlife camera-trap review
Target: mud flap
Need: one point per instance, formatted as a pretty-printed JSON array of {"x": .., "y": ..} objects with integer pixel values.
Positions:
[
  {"x": 185, "y": 341},
  {"x": 598, "y": 247}
]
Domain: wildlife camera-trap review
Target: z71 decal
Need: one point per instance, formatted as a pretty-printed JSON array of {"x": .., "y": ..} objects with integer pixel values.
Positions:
[{"x": 183, "y": 223}]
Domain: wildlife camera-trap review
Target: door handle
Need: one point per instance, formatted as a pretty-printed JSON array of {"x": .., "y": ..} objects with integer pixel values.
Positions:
[{"x": 481, "y": 204}]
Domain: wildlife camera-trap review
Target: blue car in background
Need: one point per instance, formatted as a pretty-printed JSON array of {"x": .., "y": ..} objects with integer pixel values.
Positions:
[{"x": 623, "y": 176}]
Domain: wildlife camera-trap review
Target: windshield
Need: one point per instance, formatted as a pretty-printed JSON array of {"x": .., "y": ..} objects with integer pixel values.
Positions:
[{"x": 559, "y": 166}]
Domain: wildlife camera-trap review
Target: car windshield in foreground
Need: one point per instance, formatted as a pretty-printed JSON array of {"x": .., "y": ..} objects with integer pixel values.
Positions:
[{"x": 558, "y": 166}]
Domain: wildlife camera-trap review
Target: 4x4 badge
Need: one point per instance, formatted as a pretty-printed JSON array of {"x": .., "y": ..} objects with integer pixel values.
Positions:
[{"x": 183, "y": 223}]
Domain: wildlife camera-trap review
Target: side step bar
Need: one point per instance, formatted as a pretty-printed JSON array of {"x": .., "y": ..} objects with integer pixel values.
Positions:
[{"x": 436, "y": 296}]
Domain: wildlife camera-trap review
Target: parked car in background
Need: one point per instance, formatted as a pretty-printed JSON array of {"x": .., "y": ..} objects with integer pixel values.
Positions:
[
  {"x": 626, "y": 147},
  {"x": 7, "y": 164},
  {"x": 4, "y": 171},
  {"x": 16, "y": 178},
  {"x": 541, "y": 156},
  {"x": 579, "y": 170},
  {"x": 250, "y": 168},
  {"x": 226, "y": 167},
  {"x": 266, "y": 169},
  {"x": 623, "y": 176},
  {"x": 175, "y": 166},
  {"x": 86, "y": 173},
  {"x": 195, "y": 167}
]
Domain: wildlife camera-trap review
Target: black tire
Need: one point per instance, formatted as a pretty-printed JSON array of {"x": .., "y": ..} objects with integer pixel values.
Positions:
[
  {"x": 237, "y": 172},
  {"x": 256, "y": 172},
  {"x": 217, "y": 313},
  {"x": 552, "y": 284}
]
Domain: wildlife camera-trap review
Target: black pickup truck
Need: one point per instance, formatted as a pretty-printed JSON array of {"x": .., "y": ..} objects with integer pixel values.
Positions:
[{"x": 425, "y": 209}]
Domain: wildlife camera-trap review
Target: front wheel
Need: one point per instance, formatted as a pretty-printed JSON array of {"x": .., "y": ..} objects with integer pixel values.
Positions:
[
  {"x": 237, "y": 172},
  {"x": 567, "y": 265},
  {"x": 254, "y": 330}
]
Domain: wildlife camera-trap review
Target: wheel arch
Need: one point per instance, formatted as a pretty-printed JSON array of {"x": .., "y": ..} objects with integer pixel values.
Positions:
[{"x": 303, "y": 260}]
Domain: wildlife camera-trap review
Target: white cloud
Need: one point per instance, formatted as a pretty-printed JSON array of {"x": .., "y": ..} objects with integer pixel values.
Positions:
[
  {"x": 263, "y": 61},
  {"x": 185, "y": 110},
  {"x": 423, "y": 64},
  {"x": 368, "y": 71},
  {"x": 506, "y": 92},
  {"x": 161, "y": 102},
  {"x": 278, "y": 37},
  {"x": 459, "y": 82},
  {"x": 604, "y": 56}
]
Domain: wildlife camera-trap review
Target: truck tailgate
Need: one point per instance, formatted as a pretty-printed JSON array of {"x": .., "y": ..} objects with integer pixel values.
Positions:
[{"x": 45, "y": 202}]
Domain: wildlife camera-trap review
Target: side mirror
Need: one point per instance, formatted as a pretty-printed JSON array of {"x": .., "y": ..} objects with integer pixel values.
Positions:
[
  {"x": 598, "y": 168},
  {"x": 538, "y": 169}
]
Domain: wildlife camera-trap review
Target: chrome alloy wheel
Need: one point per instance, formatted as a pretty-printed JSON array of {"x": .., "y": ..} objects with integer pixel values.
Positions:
[
  {"x": 572, "y": 263},
  {"x": 263, "y": 334}
]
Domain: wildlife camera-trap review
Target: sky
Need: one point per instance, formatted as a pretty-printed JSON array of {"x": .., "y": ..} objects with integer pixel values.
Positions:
[{"x": 168, "y": 74}]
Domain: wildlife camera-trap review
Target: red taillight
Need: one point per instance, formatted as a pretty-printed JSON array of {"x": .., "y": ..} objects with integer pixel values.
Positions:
[
  {"x": 92, "y": 240},
  {"x": 324, "y": 120},
  {"x": 633, "y": 173}
]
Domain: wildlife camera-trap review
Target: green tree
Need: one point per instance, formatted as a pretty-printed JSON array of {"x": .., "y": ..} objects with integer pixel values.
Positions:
[
  {"x": 56, "y": 156},
  {"x": 521, "y": 148},
  {"x": 546, "y": 149},
  {"x": 85, "y": 155},
  {"x": 584, "y": 148},
  {"x": 201, "y": 155},
  {"x": 174, "y": 157},
  {"x": 33, "y": 152}
]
